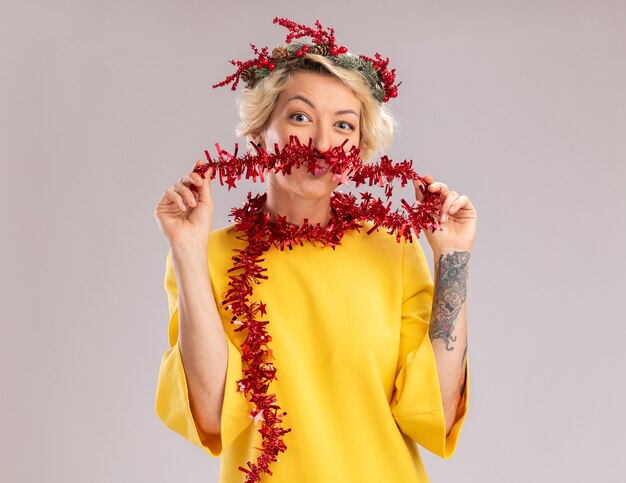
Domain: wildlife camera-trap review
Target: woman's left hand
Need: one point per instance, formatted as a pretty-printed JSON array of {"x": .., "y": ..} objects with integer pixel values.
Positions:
[{"x": 457, "y": 219}]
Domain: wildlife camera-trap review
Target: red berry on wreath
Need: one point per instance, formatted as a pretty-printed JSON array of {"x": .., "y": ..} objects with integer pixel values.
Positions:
[
  {"x": 264, "y": 61},
  {"x": 343, "y": 49},
  {"x": 299, "y": 53},
  {"x": 334, "y": 50},
  {"x": 394, "y": 93},
  {"x": 271, "y": 66},
  {"x": 385, "y": 99},
  {"x": 305, "y": 48}
]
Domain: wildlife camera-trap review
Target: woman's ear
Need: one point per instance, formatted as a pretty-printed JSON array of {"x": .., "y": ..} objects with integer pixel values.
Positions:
[{"x": 257, "y": 140}]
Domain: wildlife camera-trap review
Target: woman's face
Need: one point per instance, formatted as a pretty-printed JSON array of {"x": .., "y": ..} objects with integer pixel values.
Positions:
[{"x": 313, "y": 106}]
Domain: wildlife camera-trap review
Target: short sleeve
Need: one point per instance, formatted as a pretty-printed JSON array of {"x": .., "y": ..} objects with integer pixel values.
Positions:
[
  {"x": 172, "y": 397},
  {"x": 416, "y": 403}
]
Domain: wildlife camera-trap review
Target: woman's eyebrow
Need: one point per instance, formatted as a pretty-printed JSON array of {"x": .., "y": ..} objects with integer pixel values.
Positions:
[
  {"x": 306, "y": 101},
  {"x": 347, "y": 111},
  {"x": 303, "y": 99}
]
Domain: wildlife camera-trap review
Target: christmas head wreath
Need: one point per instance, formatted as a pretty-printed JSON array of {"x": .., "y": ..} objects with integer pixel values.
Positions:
[
  {"x": 374, "y": 70},
  {"x": 255, "y": 227}
]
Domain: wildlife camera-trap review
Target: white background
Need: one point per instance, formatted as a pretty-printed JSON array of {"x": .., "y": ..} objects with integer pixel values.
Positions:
[{"x": 521, "y": 105}]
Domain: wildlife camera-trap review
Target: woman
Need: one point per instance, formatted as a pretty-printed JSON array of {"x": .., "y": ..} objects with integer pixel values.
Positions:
[{"x": 370, "y": 353}]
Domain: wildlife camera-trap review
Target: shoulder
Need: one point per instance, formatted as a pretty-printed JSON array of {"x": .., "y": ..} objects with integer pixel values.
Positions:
[
  {"x": 380, "y": 243},
  {"x": 225, "y": 239},
  {"x": 378, "y": 240},
  {"x": 220, "y": 252}
]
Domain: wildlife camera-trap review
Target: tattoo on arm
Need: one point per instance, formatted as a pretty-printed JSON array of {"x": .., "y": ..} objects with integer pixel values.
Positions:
[{"x": 450, "y": 293}]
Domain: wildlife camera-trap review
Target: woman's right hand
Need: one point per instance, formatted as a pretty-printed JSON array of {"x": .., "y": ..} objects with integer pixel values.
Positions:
[{"x": 185, "y": 211}]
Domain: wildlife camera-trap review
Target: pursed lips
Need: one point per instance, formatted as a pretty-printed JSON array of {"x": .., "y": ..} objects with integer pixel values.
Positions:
[{"x": 322, "y": 167}]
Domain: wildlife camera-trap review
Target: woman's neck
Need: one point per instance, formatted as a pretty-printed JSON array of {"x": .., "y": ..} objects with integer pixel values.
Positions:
[{"x": 297, "y": 208}]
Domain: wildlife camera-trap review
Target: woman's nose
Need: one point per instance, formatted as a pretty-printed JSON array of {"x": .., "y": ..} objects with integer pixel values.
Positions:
[{"x": 321, "y": 140}]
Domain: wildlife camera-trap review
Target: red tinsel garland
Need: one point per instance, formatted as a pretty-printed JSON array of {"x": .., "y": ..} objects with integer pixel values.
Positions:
[{"x": 261, "y": 233}]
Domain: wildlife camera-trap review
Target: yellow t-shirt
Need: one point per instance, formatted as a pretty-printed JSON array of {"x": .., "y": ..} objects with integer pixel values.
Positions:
[{"x": 355, "y": 368}]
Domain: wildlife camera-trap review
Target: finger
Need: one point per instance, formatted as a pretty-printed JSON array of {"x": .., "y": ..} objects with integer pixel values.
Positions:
[
  {"x": 202, "y": 164},
  {"x": 196, "y": 179},
  {"x": 462, "y": 203},
  {"x": 419, "y": 196},
  {"x": 438, "y": 187},
  {"x": 451, "y": 197},
  {"x": 459, "y": 203},
  {"x": 422, "y": 181},
  {"x": 190, "y": 181},
  {"x": 185, "y": 193},
  {"x": 425, "y": 180},
  {"x": 204, "y": 187},
  {"x": 418, "y": 182},
  {"x": 174, "y": 197},
  {"x": 193, "y": 181}
]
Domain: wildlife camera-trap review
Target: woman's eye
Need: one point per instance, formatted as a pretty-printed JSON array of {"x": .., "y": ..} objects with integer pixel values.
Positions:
[
  {"x": 348, "y": 126},
  {"x": 299, "y": 116}
]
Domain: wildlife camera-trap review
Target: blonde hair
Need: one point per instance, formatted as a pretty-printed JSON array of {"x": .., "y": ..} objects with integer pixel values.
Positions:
[{"x": 256, "y": 104}]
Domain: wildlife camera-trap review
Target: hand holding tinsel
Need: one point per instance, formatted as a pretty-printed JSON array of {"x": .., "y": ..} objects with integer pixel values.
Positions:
[
  {"x": 345, "y": 166},
  {"x": 457, "y": 216},
  {"x": 185, "y": 210}
]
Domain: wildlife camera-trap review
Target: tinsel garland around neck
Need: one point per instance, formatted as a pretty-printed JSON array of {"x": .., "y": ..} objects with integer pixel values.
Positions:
[{"x": 261, "y": 233}]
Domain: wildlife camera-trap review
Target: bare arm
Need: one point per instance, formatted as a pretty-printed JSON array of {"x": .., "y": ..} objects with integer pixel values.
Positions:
[
  {"x": 202, "y": 340},
  {"x": 448, "y": 326}
]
